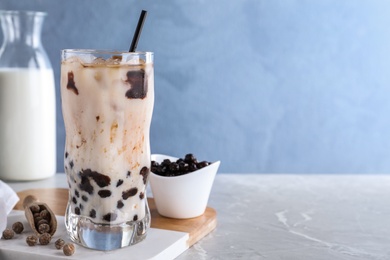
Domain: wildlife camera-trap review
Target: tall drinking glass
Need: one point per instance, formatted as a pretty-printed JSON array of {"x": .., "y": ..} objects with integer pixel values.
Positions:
[{"x": 107, "y": 104}]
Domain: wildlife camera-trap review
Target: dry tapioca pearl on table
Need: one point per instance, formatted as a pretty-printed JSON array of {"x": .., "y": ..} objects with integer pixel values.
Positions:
[
  {"x": 8, "y": 234},
  {"x": 68, "y": 249},
  {"x": 59, "y": 243},
  {"x": 44, "y": 239},
  {"x": 31, "y": 240},
  {"x": 18, "y": 227}
]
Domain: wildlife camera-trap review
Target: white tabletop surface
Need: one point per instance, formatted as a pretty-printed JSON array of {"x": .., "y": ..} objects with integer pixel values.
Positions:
[{"x": 295, "y": 216}]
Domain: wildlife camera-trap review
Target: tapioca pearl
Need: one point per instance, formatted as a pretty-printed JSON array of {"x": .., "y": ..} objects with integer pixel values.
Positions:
[
  {"x": 119, "y": 204},
  {"x": 141, "y": 195},
  {"x": 100, "y": 179},
  {"x": 119, "y": 183},
  {"x": 153, "y": 165},
  {"x": 85, "y": 184},
  {"x": 76, "y": 192},
  {"x": 71, "y": 164},
  {"x": 144, "y": 173},
  {"x": 66, "y": 155},
  {"x": 110, "y": 217},
  {"x": 135, "y": 218},
  {"x": 45, "y": 214},
  {"x": 74, "y": 200},
  {"x": 104, "y": 193},
  {"x": 129, "y": 193},
  {"x": 71, "y": 83},
  {"x": 92, "y": 213},
  {"x": 77, "y": 210},
  {"x": 193, "y": 167},
  {"x": 84, "y": 198},
  {"x": 128, "y": 174},
  {"x": 37, "y": 219},
  {"x": 202, "y": 164},
  {"x": 42, "y": 221}
]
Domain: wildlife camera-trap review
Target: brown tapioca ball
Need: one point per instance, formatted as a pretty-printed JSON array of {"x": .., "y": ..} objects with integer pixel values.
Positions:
[
  {"x": 110, "y": 217},
  {"x": 45, "y": 214},
  {"x": 84, "y": 198},
  {"x": 37, "y": 219},
  {"x": 31, "y": 240},
  {"x": 42, "y": 221},
  {"x": 18, "y": 227},
  {"x": 35, "y": 208},
  {"x": 92, "y": 213},
  {"x": 44, "y": 228},
  {"x": 182, "y": 166},
  {"x": 44, "y": 239},
  {"x": 68, "y": 249},
  {"x": 59, "y": 243},
  {"x": 8, "y": 233}
]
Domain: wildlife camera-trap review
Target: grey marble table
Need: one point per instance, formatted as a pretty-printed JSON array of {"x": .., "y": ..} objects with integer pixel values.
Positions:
[{"x": 264, "y": 216}]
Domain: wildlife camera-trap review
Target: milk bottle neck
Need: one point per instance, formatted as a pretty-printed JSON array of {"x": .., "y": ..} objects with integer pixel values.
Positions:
[
  {"x": 22, "y": 28},
  {"x": 22, "y": 47}
]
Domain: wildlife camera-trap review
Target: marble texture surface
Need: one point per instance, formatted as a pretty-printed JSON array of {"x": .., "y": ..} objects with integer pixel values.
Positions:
[
  {"x": 291, "y": 216},
  {"x": 298, "y": 217}
]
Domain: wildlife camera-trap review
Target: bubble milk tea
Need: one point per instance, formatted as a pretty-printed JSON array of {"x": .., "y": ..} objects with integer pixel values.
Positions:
[{"x": 107, "y": 104}]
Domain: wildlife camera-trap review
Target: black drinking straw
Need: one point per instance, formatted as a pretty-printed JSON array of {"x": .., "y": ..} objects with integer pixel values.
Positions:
[{"x": 138, "y": 30}]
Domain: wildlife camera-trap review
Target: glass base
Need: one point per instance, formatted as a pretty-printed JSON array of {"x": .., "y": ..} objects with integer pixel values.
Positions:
[{"x": 83, "y": 231}]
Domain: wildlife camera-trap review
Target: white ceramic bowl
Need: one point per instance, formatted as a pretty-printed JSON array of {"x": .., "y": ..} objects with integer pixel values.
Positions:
[{"x": 183, "y": 196}]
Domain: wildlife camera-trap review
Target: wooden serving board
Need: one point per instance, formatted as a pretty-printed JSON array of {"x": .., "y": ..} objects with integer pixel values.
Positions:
[{"x": 197, "y": 228}]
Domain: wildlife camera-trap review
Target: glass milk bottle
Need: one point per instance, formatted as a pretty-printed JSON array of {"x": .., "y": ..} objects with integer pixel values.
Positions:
[{"x": 27, "y": 100}]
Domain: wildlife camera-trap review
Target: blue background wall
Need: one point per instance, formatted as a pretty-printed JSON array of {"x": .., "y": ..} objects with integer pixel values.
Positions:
[{"x": 264, "y": 86}]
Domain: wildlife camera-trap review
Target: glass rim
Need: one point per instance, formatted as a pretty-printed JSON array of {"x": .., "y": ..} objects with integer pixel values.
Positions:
[
  {"x": 105, "y": 51},
  {"x": 26, "y": 12}
]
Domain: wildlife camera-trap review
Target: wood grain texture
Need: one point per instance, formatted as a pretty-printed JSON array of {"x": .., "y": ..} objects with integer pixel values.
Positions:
[{"x": 57, "y": 198}]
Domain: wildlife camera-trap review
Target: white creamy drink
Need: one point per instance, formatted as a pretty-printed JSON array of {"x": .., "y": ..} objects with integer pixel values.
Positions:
[
  {"x": 27, "y": 116},
  {"x": 107, "y": 108}
]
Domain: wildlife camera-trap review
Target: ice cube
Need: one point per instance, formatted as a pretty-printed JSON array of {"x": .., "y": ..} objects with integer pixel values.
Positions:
[
  {"x": 73, "y": 59},
  {"x": 132, "y": 60},
  {"x": 114, "y": 61},
  {"x": 98, "y": 61}
]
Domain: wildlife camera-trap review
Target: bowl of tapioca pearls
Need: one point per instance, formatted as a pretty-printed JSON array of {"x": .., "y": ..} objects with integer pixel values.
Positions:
[{"x": 181, "y": 186}]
